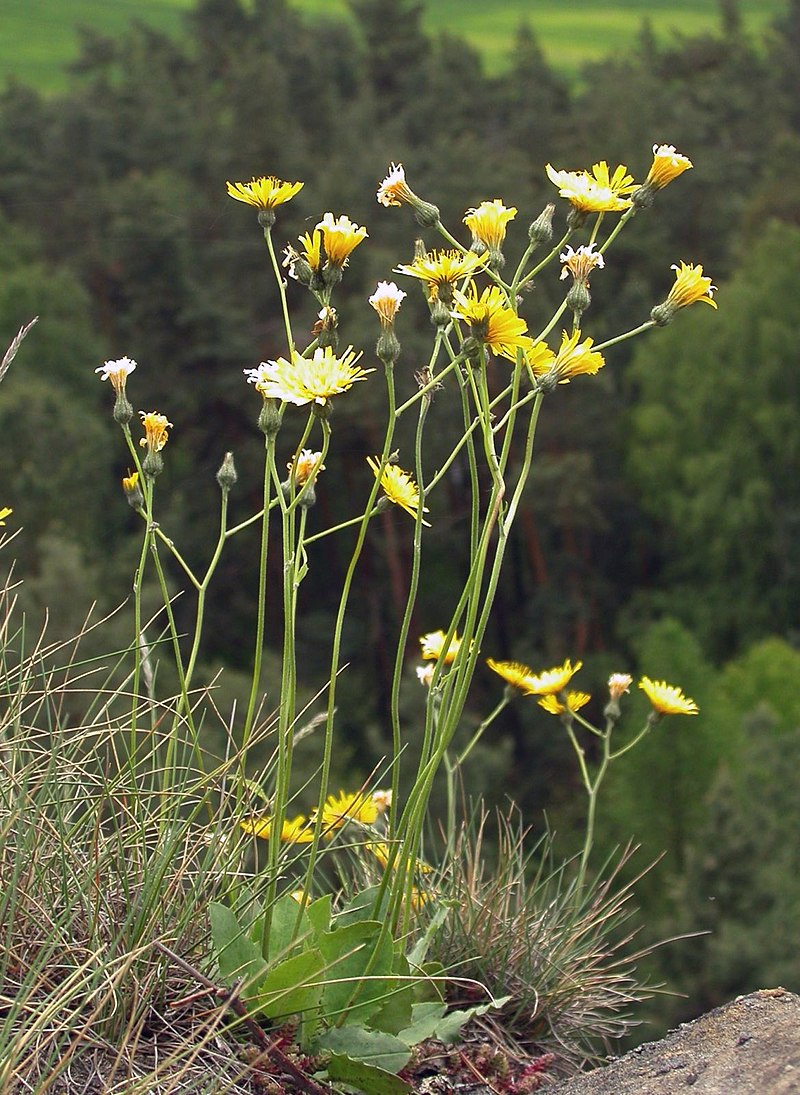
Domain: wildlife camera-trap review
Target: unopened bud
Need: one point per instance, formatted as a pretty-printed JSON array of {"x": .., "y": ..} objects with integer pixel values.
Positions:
[
  {"x": 426, "y": 214},
  {"x": 133, "y": 492},
  {"x": 541, "y": 231},
  {"x": 440, "y": 314},
  {"x": 269, "y": 421},
  {"x": 226, "y": 476}
]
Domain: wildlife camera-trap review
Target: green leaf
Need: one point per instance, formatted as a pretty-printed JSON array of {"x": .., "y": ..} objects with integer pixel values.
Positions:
[
  {"x": 359, "y": 908},
  {"x": 369, "y": 1078},
  {"x": 282, "y": 927},
  {"x": 292, "y": 987},
  {"x": 425, "y": 1019},
  {"x": 350, "y": 952},
  {"x": 319, "y": 914},
  {"x": 238, "y": 956},
  {"x": 369, "y": 1046},
  {"x": 449, "y": 1028},
  {"x": 420, "y": 950},
  {"x": 395, "y": 1013}
]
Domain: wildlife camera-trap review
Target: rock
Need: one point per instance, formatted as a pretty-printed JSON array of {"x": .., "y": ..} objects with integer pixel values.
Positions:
[{"x": 748, "y": 1047}]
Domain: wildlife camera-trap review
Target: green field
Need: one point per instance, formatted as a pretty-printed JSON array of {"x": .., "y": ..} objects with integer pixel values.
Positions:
[{"x": 37, "y": 37}]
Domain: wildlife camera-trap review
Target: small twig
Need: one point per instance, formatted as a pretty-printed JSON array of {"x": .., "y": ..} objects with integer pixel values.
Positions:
[
  {"x": 11, "y": 352},
  {"x": 230, "y": 998}
]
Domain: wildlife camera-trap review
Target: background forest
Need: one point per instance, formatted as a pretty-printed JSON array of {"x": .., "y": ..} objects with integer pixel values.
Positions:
[{"x": 660, "y": 530}]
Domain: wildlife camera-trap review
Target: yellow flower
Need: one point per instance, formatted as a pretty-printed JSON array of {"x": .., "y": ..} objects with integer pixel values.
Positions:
[
  {"x": 117, "y": 372},
  {"x": 574, "y": 702},
  {"x": 433, "y": 647},
  {"x": 311, "y": 243},
  {"x": 491, "y": 321},
  {"x": 690, "y": 286},
  {"x": 586, "y": 193},
  {"x": 380, "y": 849},
  {"x": 296, "y": 830},
  {"x": 667, "y": 165},
  {"x": 341, "y": 237},
  {"x": 440, "y": 269},
  {"x": 307, "y": 466},
  {"x": 554, "y": 680},
  {"x": 386, "y": 301},
  {"x": 666, "y": 699},
  {"x": 308, "y": 380},
  {"x": 575, "y": 358},
  {"x": 516, "y": 674},
  {"x": 581, "y": 263},
  {"x": 618, "y": 183},
  {"x": 5, "y": 512},
  {"x": 264, "y": 192},
  {"x": 394, "y": 190},
  {"x": 155, "y": 429},
  {"x": 130, "y": 482},
  {"x": 398, "y": 486},
  {"x": 488, "y": 223},
  {"x": 344, "y": 807},
  {"x": 618, "y": 683}
]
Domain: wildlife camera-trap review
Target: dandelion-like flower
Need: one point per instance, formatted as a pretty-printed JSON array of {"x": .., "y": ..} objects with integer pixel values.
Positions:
[
  {"x": 587, "y": 193},
  {"x": 667, "y": 165},
  {"x": 553, "y": 680},
  {"x": 155, "y": 428},
  {"x": 440, "y": 270},
  {"x": 394, "y": 190},
  {"x": 308, "y": 379},
  {"x": 690, "y": 285},
  {"x": 575, "y": 358},
  {"x": 296, "y": 830},
  {"x": 488, "y": 223},
  {"x": 517, "y": 674},
  {"x": 398, "y": 486},
  {"x": 667, "y": 699},
  {"x": 619, "y": 683},
  {"x": 264, "y": 192},
  {"x": 573, "y": 701},
  {"x": 386, "y": 301},
  {"x": 341, "y": 237},
  {"x": 117, "y": 372},
  {"x": 491, "y": 321},
  {"x": 581, "y": 263},
  {"x": 307, "y": 466},
  {"x": 433, "y": 647},
  {"x": 344, "y": 807},
  {"x": 6, "y": 511}
]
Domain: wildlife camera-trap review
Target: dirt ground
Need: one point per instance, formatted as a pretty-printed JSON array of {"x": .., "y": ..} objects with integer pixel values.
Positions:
[{"x": 748, "y": 1047}]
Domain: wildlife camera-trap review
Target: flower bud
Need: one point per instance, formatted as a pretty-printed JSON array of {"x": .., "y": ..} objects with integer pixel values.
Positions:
[
  {"x": 440, "y": 313},
  {"x": 579, "y": 298},
  {"x": 123, "y": 411},
  {"x": 226, "y": 476},
  {"x": 133, "y": 492},
  {"x": 426, "y": 214},
  {"x": 388, "y": 346},
  {"x": 269, "y": 421},
  {"x": 541, "y": 231}
]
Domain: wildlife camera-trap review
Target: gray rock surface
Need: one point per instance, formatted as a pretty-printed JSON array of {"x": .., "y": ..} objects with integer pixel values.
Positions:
[{"x": 748, "y": 1047}]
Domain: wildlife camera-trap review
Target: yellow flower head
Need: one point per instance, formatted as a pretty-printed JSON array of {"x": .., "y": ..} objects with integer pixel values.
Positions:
[
  {"x": 394, "y": 190},
  {"x": 308, "y": 380},
  {"x": 307, "y": 466},
  {"x": 575, "y": 358},
  {"x": 296, "y": 830},
  {"x": 618, "y": 683},
  {"x": 398, "y": 486},
  {"x": 438, "y": 269},
  {"x": 386, "y": 301},
  {"x": 553, "y": 680},
  {"x": 491, "y": 321},
  {"x": 117, "y": 372},
  {"x": 488, "y": 223},
  {"x": 5, "y": 512},
  {"x": 155, "y": 428},
  {"x": 264, "y": 192},
  {"x": 618, "y": 183},
  {"x": 574, "y": 701},
  {"x": 347, "y": 806},
  {"x": 433, "y": 647},
  {"x": 666, "y": 699},
  {"x": 581, "y": 263},
  {"x": 517, "y": 674},
  {"x": 341, "y": 237},
  {"x": 690, "y": 285},
  {"x": 667, "y": 165},
  {"x": 311, "y": 242},
  {"x": 586, "y": 193}
]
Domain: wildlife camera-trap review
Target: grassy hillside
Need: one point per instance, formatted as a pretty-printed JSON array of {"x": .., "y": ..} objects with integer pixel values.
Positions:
[{"x": 37, "y": 37}]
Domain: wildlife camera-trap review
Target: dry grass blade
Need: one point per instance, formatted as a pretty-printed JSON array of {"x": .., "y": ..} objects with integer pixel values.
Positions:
[{"x": 16, "y": 342}]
